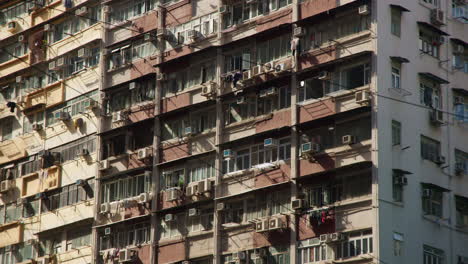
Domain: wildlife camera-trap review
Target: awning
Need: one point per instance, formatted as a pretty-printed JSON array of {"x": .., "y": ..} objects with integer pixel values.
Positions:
[
  {"x": 434, "y": 186},
  {"x": 433, "y": 77},
  {"x": 399, "y": 59},
  {"x": 123, "y": 220},
  {"x": 399, "y": 8},
  {"x": 400, "y": 171},
  {"x": 432, "y": 28},
  {"x": 460, "y": 91},
  {"x": 459, "y": 41}
]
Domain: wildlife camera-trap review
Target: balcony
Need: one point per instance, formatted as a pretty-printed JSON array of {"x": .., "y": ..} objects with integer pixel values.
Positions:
[
  {"x": 79, "y": 39},
  {"x": 11, "y": 233},
  {"x": 77, "y": 255},
  {"x": 11, "y": 150},
  {"x": 44, "y": 98},
  {"x": 41, "y": 181},
  {"x": 66, "y": 215},
  {"x": 14, "y": 65}
]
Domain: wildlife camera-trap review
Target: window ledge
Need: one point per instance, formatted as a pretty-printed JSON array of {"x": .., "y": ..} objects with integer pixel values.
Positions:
[
  {"x": 22, "y": 59},
  {"x": 353, "y": 259},
  {"x": 436, "y": 220},
  {"x": 353, "y": 201},
  {"x": 199, "y": 233},
  {"x": 121, "y": 67},
  {"x": 232, "y": 226}
]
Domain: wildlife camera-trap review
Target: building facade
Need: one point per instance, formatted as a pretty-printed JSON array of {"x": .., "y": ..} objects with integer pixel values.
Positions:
[{"x": 196, "y": 131}]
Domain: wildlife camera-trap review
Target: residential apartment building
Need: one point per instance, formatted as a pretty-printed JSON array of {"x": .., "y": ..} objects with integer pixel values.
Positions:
[{"x": 196, "y": 131}]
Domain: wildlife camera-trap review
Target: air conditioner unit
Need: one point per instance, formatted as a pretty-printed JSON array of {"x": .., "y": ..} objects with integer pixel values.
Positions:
[
  {"x": 37, "y": 127},
  {"x": 401, "y": 180},
  {"x": 90, "y": 104},
  {"x": 53, "y": 66},
  {"x": 437, "y": 116},
  {"x": 5, "y": 186},
  {"x": 362, "y": 97},
  {"x": 440, "y": 159},
  {"x": 125, "y": 255},
  {"x": 279, "y": 68},
  {"x": 80, "y": 182},
  {"x": 142, "y": 153},
  {"x": 105, "y": 208},
  {"x": 269, "y": 66},
  {"x": 144, "y": 197},
  {"x": 189, "y": 191},
  {"x": 104, "y": 165},
  {"x": 44, "y": 260},
  {"x": 193, "y": 212},
  {"x": 459, "y": 49},
  {"x": 22, "y": 39},
  {"x": 62, "y": 116},
  {"x": 83, "y": 53},
  {"x": 364, "y": 10},
  {"x": 458, "y": 100},
  {"x": 81, "y": 11},
  {"x": 348, "y": 140},
  {"x": 324, "y": 238},
  {"x": 241, "y": 255},
  {"x": 246, "y": 75},
  {"x": 118, "y": 117},
  {"x": 272, "y": 91},
  {"x": 297, "y": 204},
  {"x": 270, "y": 142},
  {"x": 241, "y": 100},
  {"x": 299, "y": 32},
  {"x": 228, "y": 153},
  {"x": 224, "y": 9},
  {"x": 188, "y": 131},
  {"x": 275, "y": 223},
  {"x": 172, "y": 194},
  {"x": 161, "y": 77},
  {"x": 260, "y": 227},
  {"x": 427, "y": 193},
  {"x": 459, "y": 168},
  {"x": 107, "y": 231},
  {"x": 12, "y": 26},
  {"x": 83, "y": 152},
  {"x": 323, "y": 75},
  {"x": 221, "y": 206},
  {"x": 310, "y": 148},
  {"x": 132, "y": 85},
  {"x": 256, "y": 70},
  {"x": 169, "y": 217},
  {"x": 338, "y": 236},
  {"x": 208, "y": 89},
  {"x": 437, "y": 17},
  {"x": 193, "y": 34}
]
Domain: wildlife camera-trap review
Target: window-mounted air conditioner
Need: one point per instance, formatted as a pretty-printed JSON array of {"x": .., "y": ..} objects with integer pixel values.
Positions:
[
  {"x": 143, "y": 153},
  {"x": 105, "y": 208},
  {"x": 261, "y": 226},
  {"x": 364, "y": 10},
  {"x": 299, "y": 32},
  {"x": 362, "y": 97},
  {"x": 6, "y": 185},
  {"x": 275, "y": 223},
  {"x": 12, "y": 26},
  {"x": 221, "y": 207},
  {"x": 437, "y": 116},
  {"x": 193, "y": 212},
  {"x": 144, "y": 197},
  {"x": 270, "y": 142},
  {"x": 126, "y": 255},
  {"x": 228, "y": 153},
  {"x": 209, "y": 89},
  {"x": 401, "y": 180},
  {"x": 338, "y": 236},
  {"x": 172, "y": 194},
  {"x": 104, "y": 165},
  {"x": 323, "y": 75},
  {"x": 256, "y": 70},
  {"x": 280, "y": 68},
  {"x": 193, "y": 34},
  {"x": 457, "y": 100},
  {"x": 241, "y": 255},
  {"x": 83, "y": 53},
  {"x": 269, "y": 66},
  {"x": 169, "y": 217},
  {"x": 437, "y": 17},
  {"x": 324, "y": 238},
  {"x": 62, "y": 116},
  {"x": 348, "y": 140},
  {"x": 310, "y": 148},
  {"x": 297, "y": 204},
  {"x": 188, "y": 131},
  {"x": 440, "y": 159},
  {"x": 118, "y": 117}
]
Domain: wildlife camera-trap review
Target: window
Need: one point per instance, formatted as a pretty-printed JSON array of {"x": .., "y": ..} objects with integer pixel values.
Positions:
[
  {"x": 460, "y": 10},
  {"x": 205, "y": 26},
  {"x": 396, "y": 133},
  {"x": 130, "y": 9},
  {"x": 285, "y": 149},
  {"x": 397, "y": 244},
  {"x": 429, "y": 94},
  {"x": 78, "y": 238},
  {"x": 461, "y": 206},
  {"x": 432, "y": 201},
  {"x": 429, "y": 43},
  {"x": 201, "y": 222},
  {"x": 75, "y": 24},
  {"x": 8, "y": 92},
  {"x": 125, "y": 98},
  {"x": 202, "y": 171},
  {"x": 122, "y": 236},
  {"x": 312, "y": 251},
  {"x": 74, "y": 107},
  {"x": 432, "y": 255},
  {"x": 13, "y": 50},
  {"x": 174, "y": 129},
  {"x": 273, "y": 49},
  {"x": 68, "y": 195},
  {"x": 396, "y": 77},
  {"x": 72, "y": 150},
  {"x": 461, "y": 109},
  {"x": 203, "y": 121},
  {"x": 32, "y": 83},
  {"x": 14, "y": 12},
  {"x": 7, "y": 128},
  {"x": 169, "y": 229},
  {"x": 172, "y": 178},
  {"x": 12, "y": 212},
  {"x": 113, "y": 146},
  {"x": 432, "y": 2},
  {"x": 459, "y": 57},
  {"x": 317, "y": 196},
  {"x": 358, "y": 243},
  {"x": 397, "y": 186},
  {"x": 30, "y": 208},
  {"x": 127, "y": 187},
  {"x": 395, "y": 23},
  {"x": 313, "y": 88},
  {"x": 237, "y": 61},
  {"x": 234, "y": 112},
  {"x": 125, "y": 55},
  {"x": 356, "y": 76},
  {"x": 461, "y": 158},
  {"x": 430, "y": 148}
]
